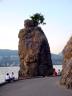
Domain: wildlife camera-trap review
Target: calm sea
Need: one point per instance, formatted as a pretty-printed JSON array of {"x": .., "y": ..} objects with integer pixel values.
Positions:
[{"x": 4, "y": 70}]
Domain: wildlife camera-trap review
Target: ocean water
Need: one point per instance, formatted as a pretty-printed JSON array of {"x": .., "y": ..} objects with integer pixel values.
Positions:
[
  {"x": 57, "y": 67},
  {"x": 4, "y": 70}
]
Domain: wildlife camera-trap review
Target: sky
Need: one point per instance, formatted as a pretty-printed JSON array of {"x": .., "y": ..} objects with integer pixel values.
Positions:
[{"x": 57, "y": 14}]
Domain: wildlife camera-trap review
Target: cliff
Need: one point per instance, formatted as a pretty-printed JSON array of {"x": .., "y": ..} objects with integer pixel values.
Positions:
[
  {"x": 66, "y": 78},
  {"x": 34, "y": 52}
]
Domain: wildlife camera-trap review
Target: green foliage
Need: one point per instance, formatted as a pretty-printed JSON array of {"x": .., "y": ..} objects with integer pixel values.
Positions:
[{"x": 38, "y": 18}]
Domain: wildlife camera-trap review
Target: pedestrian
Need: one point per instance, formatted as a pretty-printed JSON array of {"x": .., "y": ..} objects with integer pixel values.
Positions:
[
  {"x": 59, "y": 72},
  {"x": 12, "y": 76},
  {"x": 54, "y": 72},
  {"x": 7, "y": 78}
]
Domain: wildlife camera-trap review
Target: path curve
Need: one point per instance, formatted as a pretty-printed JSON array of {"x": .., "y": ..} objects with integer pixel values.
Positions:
[{"x": 48, "y": 86}]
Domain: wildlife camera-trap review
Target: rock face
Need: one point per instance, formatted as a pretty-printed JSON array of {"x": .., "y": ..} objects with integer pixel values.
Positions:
[
  {"x": 34, "y": 52},
  {"x": 66, "y": 78}
]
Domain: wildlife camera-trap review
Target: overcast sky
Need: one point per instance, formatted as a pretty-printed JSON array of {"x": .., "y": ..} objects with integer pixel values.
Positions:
[{"x": 58, "y": 18}]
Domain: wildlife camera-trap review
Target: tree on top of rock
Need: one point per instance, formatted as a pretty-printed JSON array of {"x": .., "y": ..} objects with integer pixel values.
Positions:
[{"x": 38, "y": 18}]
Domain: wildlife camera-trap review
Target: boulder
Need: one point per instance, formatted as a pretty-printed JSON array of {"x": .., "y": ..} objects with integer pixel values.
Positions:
[
  {"x": 66, "y": 78},
  {"x": 34, "y": 52}
]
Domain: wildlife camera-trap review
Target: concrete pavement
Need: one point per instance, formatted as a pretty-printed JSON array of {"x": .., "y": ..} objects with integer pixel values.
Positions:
[{"x": 48, "y": 86}]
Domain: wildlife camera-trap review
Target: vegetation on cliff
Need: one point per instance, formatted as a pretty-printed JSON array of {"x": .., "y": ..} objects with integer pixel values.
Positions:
[{"x": 38, "y": 18}]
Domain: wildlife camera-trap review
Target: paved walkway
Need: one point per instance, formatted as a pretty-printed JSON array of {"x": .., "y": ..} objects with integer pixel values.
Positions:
[{"x": 48, "y": 86}]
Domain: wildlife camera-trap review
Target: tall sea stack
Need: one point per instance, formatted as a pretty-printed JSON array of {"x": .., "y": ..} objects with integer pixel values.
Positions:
[
  {"x": 66, "y": 78},
  {"x": 34, "y": 52}
]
